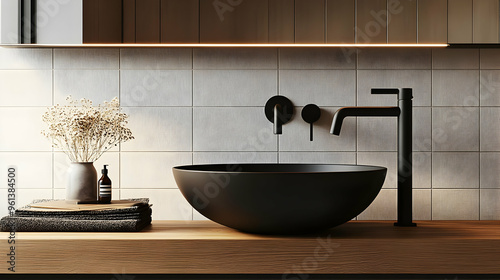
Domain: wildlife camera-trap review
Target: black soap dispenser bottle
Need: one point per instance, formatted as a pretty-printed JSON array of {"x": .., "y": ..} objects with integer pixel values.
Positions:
[{"x": 104, "y": 187}]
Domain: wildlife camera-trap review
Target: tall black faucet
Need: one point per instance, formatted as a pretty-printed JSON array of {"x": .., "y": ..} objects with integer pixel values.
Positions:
[{"x": 404, "y": 114}]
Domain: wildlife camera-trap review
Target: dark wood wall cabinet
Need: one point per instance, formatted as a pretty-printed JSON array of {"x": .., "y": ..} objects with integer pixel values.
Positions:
[
  {"x": 291, "y": 21},
  {"x": 141, "y": 21},
  {"x": 473, "y": 21},
  {"x": 234, "y": 21},
  {"x": 102, "y": 21},
  {"x": 432, "y": 21}
]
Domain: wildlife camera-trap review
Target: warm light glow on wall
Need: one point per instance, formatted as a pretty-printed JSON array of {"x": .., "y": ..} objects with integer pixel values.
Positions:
[{"x": 226, "y": 45}]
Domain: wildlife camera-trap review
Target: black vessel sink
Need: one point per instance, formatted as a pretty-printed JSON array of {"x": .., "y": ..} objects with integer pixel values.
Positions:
[{"x": 280, "y": 198}]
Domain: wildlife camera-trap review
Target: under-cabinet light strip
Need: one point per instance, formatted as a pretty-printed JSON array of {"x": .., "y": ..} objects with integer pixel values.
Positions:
[{"x": 223, "y": 45}]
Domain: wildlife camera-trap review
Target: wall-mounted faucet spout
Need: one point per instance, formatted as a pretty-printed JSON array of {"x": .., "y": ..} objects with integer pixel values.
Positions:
[
  {"x": 278, "y": 110},
  {"x": 278, "y": 123},
  {"x": 404, "y": 114}
]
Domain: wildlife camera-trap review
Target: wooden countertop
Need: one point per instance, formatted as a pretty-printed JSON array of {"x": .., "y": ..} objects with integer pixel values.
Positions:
[{"x": 204, "y": 247}]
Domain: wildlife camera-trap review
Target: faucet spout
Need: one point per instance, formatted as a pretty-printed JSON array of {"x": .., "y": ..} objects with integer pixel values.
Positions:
[
  {"x": 344, "y": 112},
  {"x": 278, "y": 123},
  {"x": 278, "y": 110}
]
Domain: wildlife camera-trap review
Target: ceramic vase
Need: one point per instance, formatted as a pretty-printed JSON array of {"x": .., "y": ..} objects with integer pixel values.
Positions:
[{"x": 82, "y": 182}]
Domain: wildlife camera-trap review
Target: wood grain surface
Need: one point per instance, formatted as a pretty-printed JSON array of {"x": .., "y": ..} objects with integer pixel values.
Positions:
[{"x": 192, "y": 247}]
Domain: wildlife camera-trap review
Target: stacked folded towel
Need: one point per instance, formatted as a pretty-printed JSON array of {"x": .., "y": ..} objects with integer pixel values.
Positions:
[{"x": 60, "y": 215}]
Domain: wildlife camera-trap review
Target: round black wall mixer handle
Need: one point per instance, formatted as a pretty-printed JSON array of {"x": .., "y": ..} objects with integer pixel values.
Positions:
[{"x": 311, "y": 114}]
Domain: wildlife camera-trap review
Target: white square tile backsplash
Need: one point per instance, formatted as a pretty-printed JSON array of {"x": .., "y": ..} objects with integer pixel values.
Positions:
[
  {"x": 455, "y": 204},
  {"x": 419, "y": 80},
  {"x": 234, "y": 59},
  {"x": 96, "y": 85},
  {"x": 455, "y": 128},
  {"x": 318, "y": 157},
  {"x": 455, "y": 59},
  {"x": 321, "y": 87},
  {"x": 150, "y": 170},
  {"x": 317, "y": 58},
  {"x": 490, "y": 204},
  {"x": 489, "y": 177},
  {"x": 34, "y": 169},
  {"x": 156, "y": 87},
  {"x": 234, "y": 157},
  {"x": 399, "y": 58},
  {"x": 490, "y": 129},
  {"x": 159, "y": 129},
  {"x": 490, "y": 58},
  {"x": 20, "y": 130},
  {"x": 92, "y": 59},
  {"x": 206, "y": 106},
  {"x": 156, "y": 59},
  {"x": 455, "y": 87},
  {"x": 489, "y": 88},
  {"x": 422, "y": 129},
  {"x": 377, "y": 134},
  {"x": 25, "y": 59},
  {"x": 232, "y": 129},
  {"x": 455, "y": 170},
  {"x": 422, "y": 170},
  {"x": 233, "y": 87},
  {"x": 16, "y": 91}
]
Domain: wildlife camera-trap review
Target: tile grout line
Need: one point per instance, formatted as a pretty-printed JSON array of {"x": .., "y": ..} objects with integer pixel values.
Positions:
[
  {"x": 479, "y": 135},
  {"x": 52, "y": 148},
  {"x": 278, "y": 93},
  {"x": 356, "y": 161},
  {"x": 356, "y": 88},
  {"x": 120, "y": 146},
  {"x": 432, "y": 120}
]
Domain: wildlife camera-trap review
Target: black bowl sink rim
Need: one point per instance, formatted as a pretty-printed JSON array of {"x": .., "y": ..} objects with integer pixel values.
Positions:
[{"x": 320, "y": 168}]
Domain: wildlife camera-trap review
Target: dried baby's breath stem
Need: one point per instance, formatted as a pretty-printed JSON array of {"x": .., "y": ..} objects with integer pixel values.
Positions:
[{"x": 84, "y": 132}]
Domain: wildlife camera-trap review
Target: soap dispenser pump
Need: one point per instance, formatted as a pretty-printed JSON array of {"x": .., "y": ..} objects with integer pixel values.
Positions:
[{"x": 104, "y": 187}]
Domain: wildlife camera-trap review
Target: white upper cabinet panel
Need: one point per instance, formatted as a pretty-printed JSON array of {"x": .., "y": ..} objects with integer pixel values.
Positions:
[
  {"x": 9, "y": 26},
  {"x": 59, "y": 22}
]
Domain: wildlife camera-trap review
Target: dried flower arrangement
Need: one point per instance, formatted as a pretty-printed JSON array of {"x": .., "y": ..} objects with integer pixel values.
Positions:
[{"x": 84, "y": 132}]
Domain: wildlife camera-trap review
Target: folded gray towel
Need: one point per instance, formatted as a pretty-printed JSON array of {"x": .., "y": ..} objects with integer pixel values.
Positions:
[
  {"x": 125, "y": 216},
  {"x": 133, "y": 218},
  {"x": 55, "y": 224}
]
